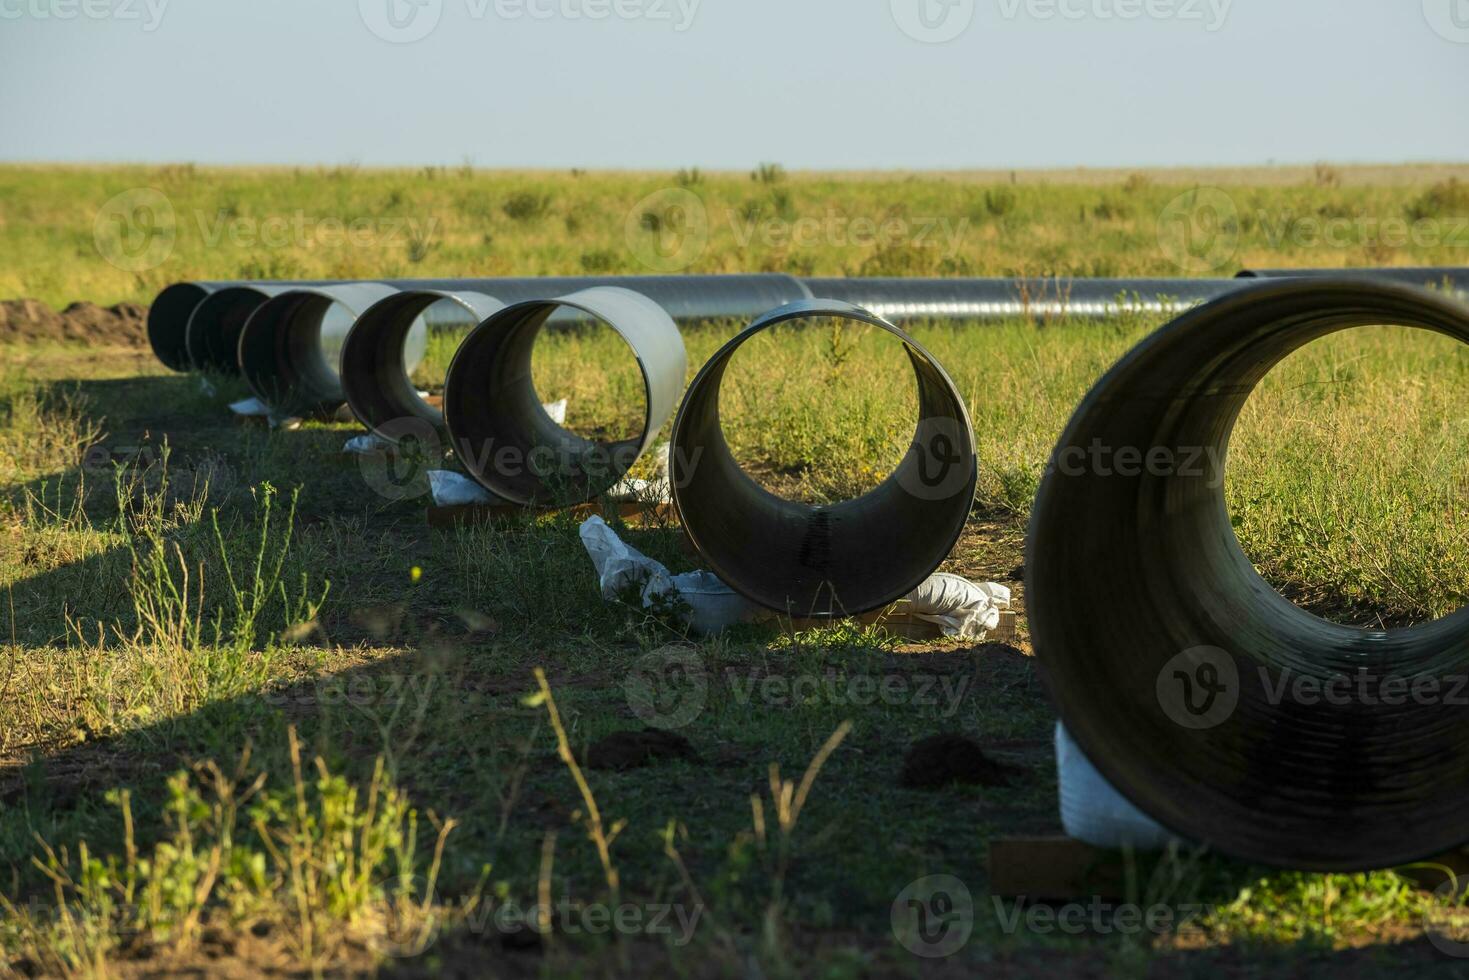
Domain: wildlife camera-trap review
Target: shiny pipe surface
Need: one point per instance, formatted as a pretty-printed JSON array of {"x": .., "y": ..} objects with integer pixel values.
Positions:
[
  {"x": 498, "y": 427},
  {"x": 1166, "y": 652},
  {"x": 909, "y": 300},
  {"x": 825, "y": 560}
]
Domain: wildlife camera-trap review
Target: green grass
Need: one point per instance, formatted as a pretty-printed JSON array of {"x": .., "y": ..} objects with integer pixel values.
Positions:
[
  {"x": 251, "y": 711},
  {"x": 162, "y": 224}
]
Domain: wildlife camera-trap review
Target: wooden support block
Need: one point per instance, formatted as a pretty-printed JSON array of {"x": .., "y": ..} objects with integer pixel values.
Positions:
[
  {"x": 1053, "y": 869},
  {"x": 469, "y": 515}
]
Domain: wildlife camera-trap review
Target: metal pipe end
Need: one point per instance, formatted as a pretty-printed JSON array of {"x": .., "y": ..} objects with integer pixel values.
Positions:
[
  {"x": 1166, "y": 652},
  {"x": 503, "y": 435},
  {"x": 168, "y": 322},
  {"x": 213, "y": 335},
  {"x": 838, "y": 560},
  {"x": 382, "y": 348},
  {"x": 290, "y": 348}
]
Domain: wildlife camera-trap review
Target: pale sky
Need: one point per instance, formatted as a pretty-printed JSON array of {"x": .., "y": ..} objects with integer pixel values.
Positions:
[{"x": 923, "y": 84}]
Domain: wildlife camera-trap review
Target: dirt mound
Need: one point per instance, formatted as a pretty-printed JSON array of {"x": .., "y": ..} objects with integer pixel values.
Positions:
[
  {"x": 30, "y": 319},
  {"x": 630, "y": 750},
  {"x": 939, "y": 760}
]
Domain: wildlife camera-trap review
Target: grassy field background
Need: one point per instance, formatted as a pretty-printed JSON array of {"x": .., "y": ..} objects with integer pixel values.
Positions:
[{"x": 252, "y": 712}]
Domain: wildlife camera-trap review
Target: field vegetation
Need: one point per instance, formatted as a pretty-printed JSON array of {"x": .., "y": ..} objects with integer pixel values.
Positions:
[{"x": 253, "y": 713}]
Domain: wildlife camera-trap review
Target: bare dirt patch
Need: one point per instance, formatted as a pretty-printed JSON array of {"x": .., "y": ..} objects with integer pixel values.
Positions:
[{"x": 31, "y": 320}]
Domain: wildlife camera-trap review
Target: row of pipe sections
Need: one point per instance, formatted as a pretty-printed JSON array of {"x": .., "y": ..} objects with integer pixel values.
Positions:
[{"x": 1168, "y": 677}]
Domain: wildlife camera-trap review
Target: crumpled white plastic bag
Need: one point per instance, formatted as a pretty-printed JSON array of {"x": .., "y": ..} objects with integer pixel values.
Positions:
[
  {"x": 251, "y": 408},
  {"x": 1094, "y": 812},
  {"x": 654, "y": 489},
  {"x": 958, "y": 606},
  {"x": 713, "y": 606},
  {"x": 452, "y": 489},
  {"x": 368, "y": 444}
]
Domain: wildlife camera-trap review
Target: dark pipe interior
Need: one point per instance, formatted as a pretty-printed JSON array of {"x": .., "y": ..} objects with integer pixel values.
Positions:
[
  {"x": 215, "y": 328},
  {"x": 375, "y": 378},
  {"x": 168, "y": 321},
  {"x": 281, "y": 359},
  {"x": 500, "y": 430},
  {"x": 1141, "y": 599}
]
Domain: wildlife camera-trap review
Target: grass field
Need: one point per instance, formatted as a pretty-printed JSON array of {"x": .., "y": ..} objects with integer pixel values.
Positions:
[{"x": 253, "y": 713}]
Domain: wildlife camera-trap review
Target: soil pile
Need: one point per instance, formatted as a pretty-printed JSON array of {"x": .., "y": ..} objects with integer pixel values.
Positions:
[{"x": 30, "y": 319}]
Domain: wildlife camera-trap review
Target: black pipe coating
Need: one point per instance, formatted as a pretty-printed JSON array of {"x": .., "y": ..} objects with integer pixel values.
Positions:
[{"x": 1171, "y": 660}]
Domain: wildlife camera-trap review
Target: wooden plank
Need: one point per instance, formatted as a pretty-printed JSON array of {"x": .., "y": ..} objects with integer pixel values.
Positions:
[{"x": 1052, "y": 869}]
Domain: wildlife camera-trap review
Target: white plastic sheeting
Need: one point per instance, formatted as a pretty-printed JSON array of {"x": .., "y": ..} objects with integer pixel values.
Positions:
[
  {"x": 1094, "y": 812},
  {"x": 959, "y": 608}
]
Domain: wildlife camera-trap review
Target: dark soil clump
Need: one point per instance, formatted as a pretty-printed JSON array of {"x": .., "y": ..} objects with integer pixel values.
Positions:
[
  {"x": 939, "y": 760},
  {"x": 631, "y": 750}
]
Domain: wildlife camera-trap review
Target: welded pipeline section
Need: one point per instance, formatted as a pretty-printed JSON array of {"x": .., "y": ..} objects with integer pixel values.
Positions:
[
  {"x": 1450, "y": 280},
  {"x": 911, "y": 300},
  {"x": 503, "y": 435},
  {"x": 377, "y": 352},
  {"x": 1167, "y": 653},
  {"x": 835, "y": 560}
]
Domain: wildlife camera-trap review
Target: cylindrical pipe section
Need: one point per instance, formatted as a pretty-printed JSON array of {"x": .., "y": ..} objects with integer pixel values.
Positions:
[
  {"x": 1172, "y": 661},
  {"x": 290, "y": 349},
  {"x": 213, "y": 333},
  {"x": 377, "y": 354},
  {"x": 911, "y": 300},
  {"x": 168, "y": 320},
  {"x": 501, "y": 432},
  {"x": 846, "y": 558},
  {"x": 1446, "y": 278}
]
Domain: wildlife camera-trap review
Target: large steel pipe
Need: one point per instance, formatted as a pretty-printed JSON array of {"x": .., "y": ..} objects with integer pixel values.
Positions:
[
  {"x": 379, "y": 352},
  {"x": 837, "y": 560},
  {"x": 894, "y": 298},
  {"x": 498, "y": 427},
  {"x": 290, "y": 349},
  {"x": 1450, "y": 279},
  {"x": 911, "y": 300},
  {"x": 212, "y": 337},
  {"x": 168, "y": 320},
  {"x": 1173, "y": 663}
]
